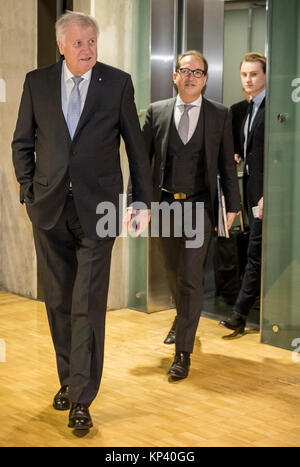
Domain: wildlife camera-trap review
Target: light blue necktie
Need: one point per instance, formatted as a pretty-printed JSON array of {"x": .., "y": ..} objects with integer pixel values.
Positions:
[{"x": 74, "y": 107}]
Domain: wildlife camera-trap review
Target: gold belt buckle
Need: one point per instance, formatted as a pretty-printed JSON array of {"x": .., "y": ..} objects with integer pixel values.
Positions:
[{"x": 179, "y": 196}]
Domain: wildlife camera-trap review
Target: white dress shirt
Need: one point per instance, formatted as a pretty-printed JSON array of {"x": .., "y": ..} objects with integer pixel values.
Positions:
[{"x": 194, "y": 113}]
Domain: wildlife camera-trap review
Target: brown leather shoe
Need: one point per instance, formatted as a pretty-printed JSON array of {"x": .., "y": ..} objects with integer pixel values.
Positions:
[{"x": 61, "y": 400}]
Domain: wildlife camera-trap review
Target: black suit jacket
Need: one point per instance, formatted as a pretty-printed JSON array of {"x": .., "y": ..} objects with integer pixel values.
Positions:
[
  {"x": 46, "y": 159},
  {"x": 239, "y": 111},
  {"x": 254, "y": 174},
  {"x": 218, "y": 143}
]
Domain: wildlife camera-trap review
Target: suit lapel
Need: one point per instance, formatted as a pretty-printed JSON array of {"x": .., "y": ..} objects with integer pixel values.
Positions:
[
  {"x": 98, "y": 80},
  {"x": 56, "y": 78},
  {"x": 165, "y": 124},
  {"x": 97, "y": 84},
  {"x": 208, "y": 116},
  {"x": 256, "y": 121}
]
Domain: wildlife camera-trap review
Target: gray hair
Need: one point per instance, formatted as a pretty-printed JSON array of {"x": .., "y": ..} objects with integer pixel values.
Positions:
[{"x": 77, "y": 18}]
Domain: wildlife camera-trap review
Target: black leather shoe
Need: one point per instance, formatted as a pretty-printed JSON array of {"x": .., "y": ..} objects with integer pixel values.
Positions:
[
  {"x": 79, "y": 417},
  {"x": 236, "y": 322},
  {"x": 171, "y": 337},
  {"x": 61, "y": 400},
  {"x": 181, "y": 365}
]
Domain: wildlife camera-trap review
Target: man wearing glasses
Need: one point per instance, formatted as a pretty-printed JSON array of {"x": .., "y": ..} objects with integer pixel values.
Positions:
[{"x": 189, "y": 141}]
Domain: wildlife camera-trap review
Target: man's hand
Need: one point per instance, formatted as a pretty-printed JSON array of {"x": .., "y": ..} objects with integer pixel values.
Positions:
[
  {"x": 28, "y": 196},
  {"x": 230, "y": 218},
  {"x": 238, "y": 159},
  {"x": 137, "y": 220},
  {"x": 260, "y": 204}
]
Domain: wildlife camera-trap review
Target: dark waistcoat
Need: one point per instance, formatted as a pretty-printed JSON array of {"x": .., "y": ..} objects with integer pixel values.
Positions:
[{"x": 185, "y": 170}]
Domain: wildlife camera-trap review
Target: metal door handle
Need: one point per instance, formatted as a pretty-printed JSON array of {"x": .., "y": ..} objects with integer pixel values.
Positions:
[{"x": 281, "y": 117}]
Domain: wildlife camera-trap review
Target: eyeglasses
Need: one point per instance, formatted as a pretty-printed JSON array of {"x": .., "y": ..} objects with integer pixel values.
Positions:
[{"x": 186, "y": 72}]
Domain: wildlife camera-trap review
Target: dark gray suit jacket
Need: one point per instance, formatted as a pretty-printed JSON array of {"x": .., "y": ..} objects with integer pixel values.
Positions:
[
  {"x": 46, "y": 159},
  {"x": 218, "y": 142}
]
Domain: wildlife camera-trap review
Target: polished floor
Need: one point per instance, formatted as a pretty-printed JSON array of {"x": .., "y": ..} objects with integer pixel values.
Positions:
[{"x": 239, "y": 392}]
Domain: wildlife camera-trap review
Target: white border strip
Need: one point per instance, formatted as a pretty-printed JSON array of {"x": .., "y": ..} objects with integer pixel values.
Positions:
[{"x": 93, "y": 8}]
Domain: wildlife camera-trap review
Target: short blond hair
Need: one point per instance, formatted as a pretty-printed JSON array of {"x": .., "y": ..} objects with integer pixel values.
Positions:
[
  {"x": 74, "y": 17},
  {"x": 255, "y": 57}
]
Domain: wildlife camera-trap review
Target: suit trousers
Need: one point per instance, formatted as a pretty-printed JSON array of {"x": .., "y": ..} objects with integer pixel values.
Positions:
[
  {"x": 250, "y": 288},
  {"x": 185, "y": 272},
  {"x": 74, "y": 272}
]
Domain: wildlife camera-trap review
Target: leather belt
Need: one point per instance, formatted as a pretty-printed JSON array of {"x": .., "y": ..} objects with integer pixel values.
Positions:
[
  {"x": 176, "y": 195},
  {"x": 180, "y": 195}
]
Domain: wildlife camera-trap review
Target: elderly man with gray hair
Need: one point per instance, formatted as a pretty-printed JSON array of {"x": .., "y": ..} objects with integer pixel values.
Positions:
[{"x": 66, "y": 157}]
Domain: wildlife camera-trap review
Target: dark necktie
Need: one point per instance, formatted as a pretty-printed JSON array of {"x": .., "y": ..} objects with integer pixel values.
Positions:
[
  {"x": 250, "y": 111},
  {"x": 247, "y": 126}
]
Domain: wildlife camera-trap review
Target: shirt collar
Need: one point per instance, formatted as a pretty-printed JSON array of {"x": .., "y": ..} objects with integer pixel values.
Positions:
[
  {"x": 197, "y": 102},
  {"x": 259, "y": 98},
  {"x": 68, "y": 75}
]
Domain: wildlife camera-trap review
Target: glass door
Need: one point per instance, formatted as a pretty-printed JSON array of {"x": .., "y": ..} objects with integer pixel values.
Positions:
[
  {"x": 138, "y": 247},
  {"x": 281, "y": 251}
]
